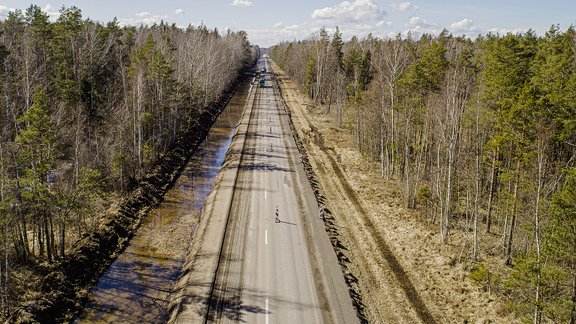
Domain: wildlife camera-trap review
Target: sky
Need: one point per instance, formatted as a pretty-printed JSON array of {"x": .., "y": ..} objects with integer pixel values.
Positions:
[{"x": 269, "y": 22}]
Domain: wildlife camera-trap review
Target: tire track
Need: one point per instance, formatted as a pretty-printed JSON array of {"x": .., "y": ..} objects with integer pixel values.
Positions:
[{"x": 222, "y": 301}]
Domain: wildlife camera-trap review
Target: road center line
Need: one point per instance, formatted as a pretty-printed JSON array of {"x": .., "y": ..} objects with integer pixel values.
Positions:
[
  {"x": 266, "y": 237},
  {"x": 265, "y": 194}
]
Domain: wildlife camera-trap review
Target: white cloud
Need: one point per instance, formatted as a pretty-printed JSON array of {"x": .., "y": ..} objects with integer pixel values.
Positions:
[
  {"x": 463, "y": 26},
  {"x": 179, "y": 11},
  {"x": 404, "y": 6},
  {"x": 52, "y": 13},
  {"x": 142, "y": 18},
  {"x": 4, "y": 11},
  {"x": 383, "y": 23},
  {"x": 504, "y": 31},
  {"x": 416, "y": 26},
  {"x": 242, "y": 3},
  {"x": 355, "y": 11},
  {"x": 418, "y": 23},
  {"x": 291, "y": 27},
  {"x": 362, "y": 28},
  {"x": 268, "y": 37},
  {"x": 282, "y": 32},
  {"x": 283, "y": 27}
]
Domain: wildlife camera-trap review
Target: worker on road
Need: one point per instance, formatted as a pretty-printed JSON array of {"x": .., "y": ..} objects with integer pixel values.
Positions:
[{"x": 277, "y": 219}]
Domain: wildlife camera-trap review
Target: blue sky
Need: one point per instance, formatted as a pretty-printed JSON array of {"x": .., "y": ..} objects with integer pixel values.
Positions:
[{"x": 269, "y": 22}]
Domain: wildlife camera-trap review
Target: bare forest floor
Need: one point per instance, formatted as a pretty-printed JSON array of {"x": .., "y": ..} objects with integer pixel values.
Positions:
[{"x": 398, "y": 264}]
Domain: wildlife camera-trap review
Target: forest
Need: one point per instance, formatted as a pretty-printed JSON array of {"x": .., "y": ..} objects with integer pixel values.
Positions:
[
  {"x": 86, "y": 109},
  {"x": 481, "y": 134}
]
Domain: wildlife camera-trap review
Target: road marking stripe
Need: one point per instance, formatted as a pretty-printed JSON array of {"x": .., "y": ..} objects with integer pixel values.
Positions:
[
  {"x": 265, "y": 194},
  {"x": 266, "y": 237}
]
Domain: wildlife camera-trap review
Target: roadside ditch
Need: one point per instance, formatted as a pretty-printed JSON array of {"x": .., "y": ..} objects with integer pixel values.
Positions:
[{"x": 65, "y": 288}]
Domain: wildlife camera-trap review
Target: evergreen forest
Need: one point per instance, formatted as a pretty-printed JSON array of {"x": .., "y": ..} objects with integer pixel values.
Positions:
[{"x": 481, "y": 134}]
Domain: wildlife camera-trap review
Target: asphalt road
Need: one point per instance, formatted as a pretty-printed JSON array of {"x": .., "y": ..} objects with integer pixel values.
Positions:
[{"x": 273, "y": 271}]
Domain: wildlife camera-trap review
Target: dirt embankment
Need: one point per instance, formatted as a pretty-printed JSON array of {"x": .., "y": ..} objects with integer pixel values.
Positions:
[
  {"x": 396, "y": 267},
  {"x": 64, "y": 289}
]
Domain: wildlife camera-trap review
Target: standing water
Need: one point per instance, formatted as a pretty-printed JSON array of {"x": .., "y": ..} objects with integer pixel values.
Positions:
[{"x": 137, "y": 285}]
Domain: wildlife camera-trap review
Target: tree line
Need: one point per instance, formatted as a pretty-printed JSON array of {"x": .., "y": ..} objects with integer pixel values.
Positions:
[
  {"x": 482, "y": 135},
  {"x": 85, "y": 108}
]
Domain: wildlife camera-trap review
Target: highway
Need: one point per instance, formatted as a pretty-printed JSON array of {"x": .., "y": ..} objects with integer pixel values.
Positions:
[{"x": 272, "y": 271}]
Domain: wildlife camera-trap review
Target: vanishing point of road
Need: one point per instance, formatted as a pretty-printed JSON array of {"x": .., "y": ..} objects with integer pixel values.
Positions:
[{"x": 265, "y": 270}]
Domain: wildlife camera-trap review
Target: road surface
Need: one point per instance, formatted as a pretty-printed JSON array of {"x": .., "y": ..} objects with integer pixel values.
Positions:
[{"x": 275, "y": 271}]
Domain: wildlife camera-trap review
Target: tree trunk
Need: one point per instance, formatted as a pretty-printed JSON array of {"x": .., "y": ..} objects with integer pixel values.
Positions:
[
  {"x": 2, "y": 180},
  {"x": 39, "y": 238},
  {"x": 393, "y": 135},
  {"x": 47, "y": 238},
  {"x": 510, "y": 239},
  {"x": 492, "y": 191},
  {"x": 62, "y": 239},
  {"x": 407, "y": 170},
  {"x": 383, "y": 134},
  {"x": 573, "y": 310},
  {"x": 477, "y": 188},
  {"x": 6, "y": 273},
  {"x": 448, "y": 202},
  {"x": 139, "y": 112},
  {"x": 77, "y": 147},
  {"x": 2, "y": 288},
  {"x": 319, "y": 69},
  {"x": 537, "y": 308}
]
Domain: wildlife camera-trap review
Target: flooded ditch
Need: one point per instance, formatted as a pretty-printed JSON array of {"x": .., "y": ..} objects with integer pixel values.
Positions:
[{"x": 137, "y": 285}]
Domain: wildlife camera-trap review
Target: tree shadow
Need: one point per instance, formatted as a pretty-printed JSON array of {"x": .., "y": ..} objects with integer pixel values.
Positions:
[
  {"x": 227, "y": 303},
  {"x": 285, "y": 222},
  {"x": 263, "y": 167}
]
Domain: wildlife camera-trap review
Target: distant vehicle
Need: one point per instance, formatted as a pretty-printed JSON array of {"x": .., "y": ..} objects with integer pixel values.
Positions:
[
  {"x": 262, "y": 82},
  {"x": 263, "y": 71}
]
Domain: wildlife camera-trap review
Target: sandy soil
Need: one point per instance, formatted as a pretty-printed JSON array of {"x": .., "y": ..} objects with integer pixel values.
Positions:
[{"x": 404, "y": 274}]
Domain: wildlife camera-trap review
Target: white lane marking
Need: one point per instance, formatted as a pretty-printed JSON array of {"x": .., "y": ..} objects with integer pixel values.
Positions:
[
  {"x": 265, "y": 194},
  {"x": 266, "y": 310},
  {"x": 266, "y": 237}
]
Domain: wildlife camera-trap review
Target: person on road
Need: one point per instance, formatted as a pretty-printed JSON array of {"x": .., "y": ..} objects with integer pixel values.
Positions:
[{"x": 277, "y": 219}]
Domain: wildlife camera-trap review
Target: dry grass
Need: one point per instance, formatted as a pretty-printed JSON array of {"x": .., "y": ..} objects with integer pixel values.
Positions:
[{"x": 377, "y": 224}]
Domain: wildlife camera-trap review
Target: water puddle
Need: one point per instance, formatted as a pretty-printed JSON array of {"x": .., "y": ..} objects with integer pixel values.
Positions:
[{"x": 137, "y": 285}]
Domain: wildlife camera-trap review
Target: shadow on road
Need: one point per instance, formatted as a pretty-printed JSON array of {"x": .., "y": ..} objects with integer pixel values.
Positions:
[
  {"x": 263, "y": 167},
  {"x": 231, "y": 307},
  {"x": 281, "y": 221}
]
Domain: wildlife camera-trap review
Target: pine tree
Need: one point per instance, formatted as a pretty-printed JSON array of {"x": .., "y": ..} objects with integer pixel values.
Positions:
[
  {"x": 561, "y": 247},
  {"x": 38, "y": 153}
]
